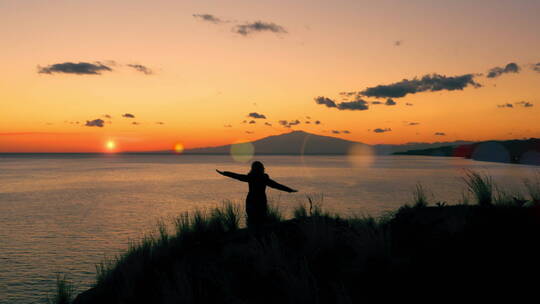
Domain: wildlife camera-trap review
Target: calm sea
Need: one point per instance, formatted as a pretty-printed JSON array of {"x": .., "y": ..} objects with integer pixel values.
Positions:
[{"x": 67, "y": 213}]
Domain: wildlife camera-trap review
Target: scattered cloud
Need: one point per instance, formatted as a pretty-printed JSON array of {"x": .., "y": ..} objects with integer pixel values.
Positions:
[
  {"x": 266, "y": 123},
  {"x": 228, "y": 126},
  {"x": 524, "y": 104},
  {"x": 336, "y": 131},
  {"x": 95, "y": 123},
  {"x": 128, "y": 115},
  {"x": 348, "y": 94},
  {"x": 208, "y": 18},
  {"x": 376, "y": 102},
  {"x": 358, "y": 104},
  {"x": 346, "y": 131},
  {"x": 79, "y": 68},
  {"x": 440, "y": 134},
  {"x": 380, "y": 130},
  {"x": 428, "y": 83},
  {"x": 498, "y": 71},
  {"x": 160, "y": 123},
  {"x": 258, "y": 26},
  {"x": 141, "y": 68},
  {"x": 390, "y": 102},
  {"x": 398, "y": 42},
  {"x": 288, "y": 124},
  {"x": 317, "y": 122},
  {"x": 536, "y": 67},
  {"x": 250, "y": 132},
  {"x": 107, "y": 116},
  {"x": 256, "y": 115},
  {"x": 308, "y": 117},
  {"x": 307, "y": 122},
  {"x": 294, "y": 122},
  {"x": 413, "y": 123},
  {"x": 252, "y": 122},
  {"x": 326, "y": 101},
  {"x": 409, "y": 104},
  {"x": 135, "y": 123}
]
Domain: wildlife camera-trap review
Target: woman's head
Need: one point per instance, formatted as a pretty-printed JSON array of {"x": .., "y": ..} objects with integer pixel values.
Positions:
[{"x": 257, "y": 168}]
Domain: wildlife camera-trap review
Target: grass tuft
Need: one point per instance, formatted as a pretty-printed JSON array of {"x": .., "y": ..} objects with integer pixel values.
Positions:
[
  {"x": 481, "y": 186},
  {"x": 533, "y": 188},
  {"x": 420, "y": 197},
  {"x": 274, "y": 214},
  {"x": 300, "y": 211},
  {"x": 64, "y": 291}
]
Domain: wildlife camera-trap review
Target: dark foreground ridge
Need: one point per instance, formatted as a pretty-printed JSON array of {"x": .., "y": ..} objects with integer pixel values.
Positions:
[{"x": 483, "y": 252}]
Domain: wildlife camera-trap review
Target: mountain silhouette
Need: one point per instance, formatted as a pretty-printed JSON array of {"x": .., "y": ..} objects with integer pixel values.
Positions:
[
  {"x": 296, "y": 142},
  {"x": 303, "y": 143}
]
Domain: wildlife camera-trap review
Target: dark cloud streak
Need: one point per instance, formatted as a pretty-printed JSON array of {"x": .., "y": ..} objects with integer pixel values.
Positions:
[
  {"x": 141, "y": 68},
  {"x": 390, "y": 102},
  {"x": 256, "y": 115},
  {"x": 356, "y": 105},
  {"x": 258, "y": 26},
  {"x": 428, "y": 83},
  {"x": 498, "y": 71},
  {"x": 79, "y": 68},
  {"x": 325, "y": 101},
  {"x": 95, "y": 123},
  {"x": 208, "y": 18}
]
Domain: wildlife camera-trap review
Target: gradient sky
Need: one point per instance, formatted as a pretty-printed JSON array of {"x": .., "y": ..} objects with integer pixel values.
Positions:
[{"x": 205, "y": 77}]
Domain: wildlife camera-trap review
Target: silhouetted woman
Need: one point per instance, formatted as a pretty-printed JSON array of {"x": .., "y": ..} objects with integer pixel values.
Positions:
[{"x": 256, "y": 203}]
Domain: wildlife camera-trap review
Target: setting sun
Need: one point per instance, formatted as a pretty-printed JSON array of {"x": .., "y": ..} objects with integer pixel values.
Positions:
[
  {"x": 110, "y": 145},
  {"x": 179, "y": 148}
]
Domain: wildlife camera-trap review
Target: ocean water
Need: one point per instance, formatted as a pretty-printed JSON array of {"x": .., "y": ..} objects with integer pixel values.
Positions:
[{"x": 65, "y": 214}]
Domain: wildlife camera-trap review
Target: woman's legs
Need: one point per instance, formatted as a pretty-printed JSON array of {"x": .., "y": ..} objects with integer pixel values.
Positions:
[{"x": 256, "y": 211}]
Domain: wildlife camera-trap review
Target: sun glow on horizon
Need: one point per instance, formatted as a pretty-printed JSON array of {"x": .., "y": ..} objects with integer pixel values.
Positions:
[
  {"x": 110, "y": 145},
  {"x": 178, "y": 148}
]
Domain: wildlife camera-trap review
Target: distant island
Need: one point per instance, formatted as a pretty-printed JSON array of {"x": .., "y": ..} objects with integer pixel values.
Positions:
[{"x": 525, "y": 151}]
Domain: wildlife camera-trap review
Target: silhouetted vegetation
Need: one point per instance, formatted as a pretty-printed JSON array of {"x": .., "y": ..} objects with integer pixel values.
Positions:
[
  {"x": 481, "y": 186},
  {"x": 64, "y": 291},
  {"x": 484, "y": 252},
  {"x": 420, "y": 197}
]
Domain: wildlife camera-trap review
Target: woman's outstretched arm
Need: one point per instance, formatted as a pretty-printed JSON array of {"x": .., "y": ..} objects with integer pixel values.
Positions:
[
  {"x": 276, "y": 185},
  {"x": 240, "y": 177}
]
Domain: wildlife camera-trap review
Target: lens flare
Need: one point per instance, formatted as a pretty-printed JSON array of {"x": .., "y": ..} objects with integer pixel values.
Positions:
[
  {"x": 242, "y": 151},
  {"x": 110, "y": 145},
  {"x": 178, "y": 148},
  {"x": 361, "y": 155}
]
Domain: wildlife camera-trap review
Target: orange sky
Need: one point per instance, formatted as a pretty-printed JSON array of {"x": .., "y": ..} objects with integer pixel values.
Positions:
[{"x": 205, "y": 76}]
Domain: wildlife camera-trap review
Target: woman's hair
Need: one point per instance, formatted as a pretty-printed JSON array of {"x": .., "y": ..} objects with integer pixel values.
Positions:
[{"x": 257, "y": 168}]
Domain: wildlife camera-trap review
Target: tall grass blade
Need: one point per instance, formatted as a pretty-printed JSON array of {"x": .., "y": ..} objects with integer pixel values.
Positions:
[{"x": 481, "y": 186}]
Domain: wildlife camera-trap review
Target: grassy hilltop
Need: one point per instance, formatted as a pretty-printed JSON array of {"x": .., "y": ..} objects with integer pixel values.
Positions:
[{"x": 485, "y": 250}]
